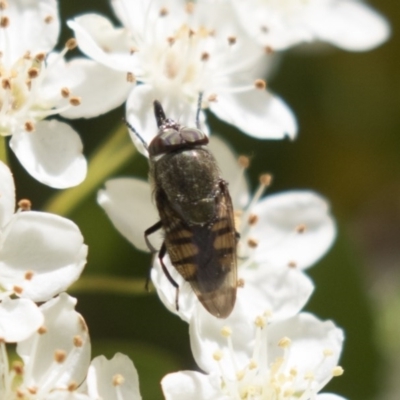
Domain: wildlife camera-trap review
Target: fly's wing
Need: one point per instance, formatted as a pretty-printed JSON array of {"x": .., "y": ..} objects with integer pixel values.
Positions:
[
  {"x": 216, "y": 281},
  {"x": 205, "y": 256}
]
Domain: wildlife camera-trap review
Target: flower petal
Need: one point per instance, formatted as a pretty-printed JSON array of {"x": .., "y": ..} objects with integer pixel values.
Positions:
[
  {"x": 128, "y": 204},
  {"x": 348, "y": 24},
  {"x": 137, "y": 16},
  {"x": 329, "y": 396},
  {"x": 67, "y": 395},
  {"x": 231, "y": 171},
  {"x": 352, "y": 26},
  {"x": 101, "y": 41},
  {"x": 65, "y": 335},
  {"x": 273, "y": 24},
  {"x": 280, "y": 291},
  {"x": 101, "y": 376},
  {"x": 7, "y": 194},
  {"x": 42, "y": 254},
  {"x": 257, "y": 113},
  {"x": 101, "y": 89},
  {"x": 34, "y": 26},
  {"x": 140, "y": 115},
  {"x": 191, "y": 385},
  {"x": 19, "y": 319},
  {"x": 294, "y": 229},
  {"x": 315, "y": 346},
  {"x": 52, "y": 154},
  {"x": 206, "y": 338}
]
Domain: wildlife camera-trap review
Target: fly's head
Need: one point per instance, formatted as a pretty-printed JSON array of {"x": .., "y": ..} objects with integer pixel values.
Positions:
[{"x": 172, "y": 136}]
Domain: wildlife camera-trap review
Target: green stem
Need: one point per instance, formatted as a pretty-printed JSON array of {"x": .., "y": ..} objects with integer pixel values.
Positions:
[
  {"x": 112, "y": 155},
  {"x": 3, "y": 150},
  {"x": 108, "y": 284}
]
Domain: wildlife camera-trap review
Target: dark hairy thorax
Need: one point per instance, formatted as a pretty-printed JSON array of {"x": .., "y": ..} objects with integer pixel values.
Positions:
[{"x": 190, "y": 179}]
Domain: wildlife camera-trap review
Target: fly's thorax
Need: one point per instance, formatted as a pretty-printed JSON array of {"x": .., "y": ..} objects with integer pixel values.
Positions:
[{"x": 190, "y": 179}]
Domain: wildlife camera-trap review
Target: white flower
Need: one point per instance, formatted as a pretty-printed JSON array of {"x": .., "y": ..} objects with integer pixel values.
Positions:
[
  {"x": 279, "y": 24},
  {"x": 41, "y": 254},
  {"x": 291, "y": 359},
  {"x": 115, "y": 379},
  {"x": 280, "y": 235},
  {"x": 56, "y": 361},
  {"x": 36, "y": 84},
  {"x": 176, "y": 50},
  {"x": 56, "y": 357}
]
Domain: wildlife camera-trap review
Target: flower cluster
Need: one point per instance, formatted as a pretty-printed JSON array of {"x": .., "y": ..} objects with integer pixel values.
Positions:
[
  {"x": 223, "y": 48},
  {"x": 270, "y": 366},
  {"x": 174, "y": 50},
  {"x": 41, "y": 254},
  {"x": 55, "y": 362},
  {"x": 211, "y": 55},
  {"x": 37, "y": 83}
]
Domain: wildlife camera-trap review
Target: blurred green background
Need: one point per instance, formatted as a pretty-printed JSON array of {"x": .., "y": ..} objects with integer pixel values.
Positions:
[{"x": 348, "y": 149}]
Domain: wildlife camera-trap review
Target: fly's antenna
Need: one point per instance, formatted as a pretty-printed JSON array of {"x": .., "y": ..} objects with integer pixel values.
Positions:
[
  {"x": 200, "y": 98},
  {"x": 159, "y": 113},
  {"x": 131, "y": 128}
]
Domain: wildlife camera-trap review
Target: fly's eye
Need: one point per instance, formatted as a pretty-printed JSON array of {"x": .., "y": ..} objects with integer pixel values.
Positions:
[
  {"x": 193, "y": 136},
  {"x": 164, "y": 141},
  {"x": 169, "y": 139}
]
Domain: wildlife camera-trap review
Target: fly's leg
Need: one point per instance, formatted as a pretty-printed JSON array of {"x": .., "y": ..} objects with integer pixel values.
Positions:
[
  {"x": 147, "y": 232},
  {"x": 161, "y": 255}
]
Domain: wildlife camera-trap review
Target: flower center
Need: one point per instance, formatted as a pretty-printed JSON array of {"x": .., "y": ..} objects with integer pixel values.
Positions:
[
  {"x": 53, "y": 377},
  {"x": 15, "y": 90},
  {"x": 262, "y": 378},
  {"x": 26, "y": 93},
  {"x": 177, "y": 61},
  {"x": 181, "y": 55}
]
